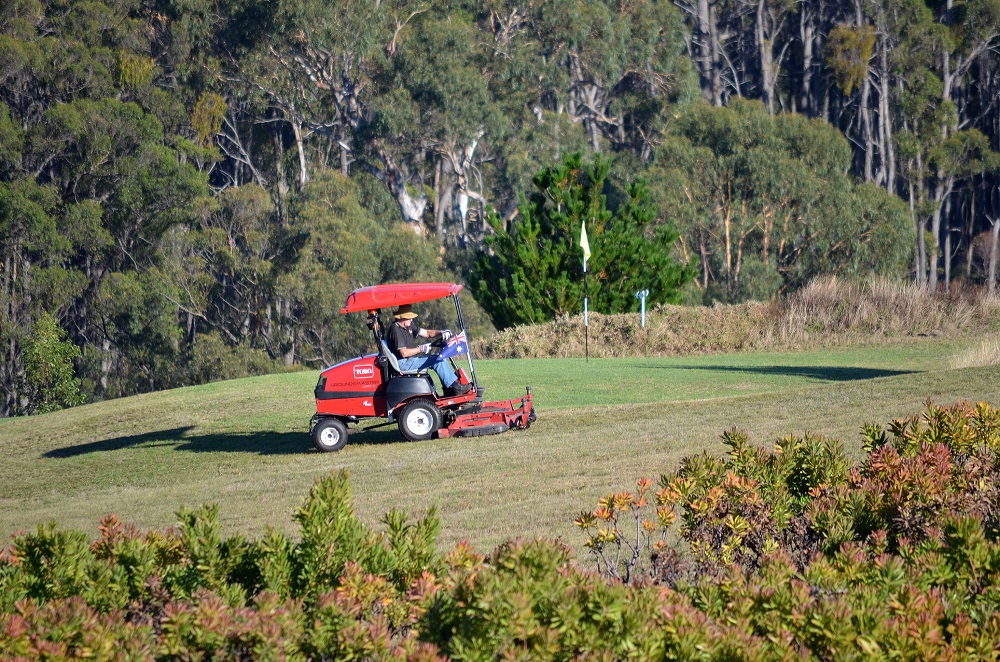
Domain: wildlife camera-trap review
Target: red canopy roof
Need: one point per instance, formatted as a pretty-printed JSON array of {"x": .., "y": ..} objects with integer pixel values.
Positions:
[{"x": 378, "y": 297}]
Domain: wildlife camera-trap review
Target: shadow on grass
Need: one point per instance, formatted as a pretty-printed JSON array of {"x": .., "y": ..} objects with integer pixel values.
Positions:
[
  {"x": 262, "y": 443},
  {"x": 825, "y": 373}
]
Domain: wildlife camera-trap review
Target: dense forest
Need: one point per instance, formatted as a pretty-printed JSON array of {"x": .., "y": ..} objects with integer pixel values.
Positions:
[{"x": 190, "y": 188}]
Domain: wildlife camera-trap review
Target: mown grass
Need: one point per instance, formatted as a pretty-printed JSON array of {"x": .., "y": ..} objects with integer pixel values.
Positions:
[{"x": 601, "y": 424}]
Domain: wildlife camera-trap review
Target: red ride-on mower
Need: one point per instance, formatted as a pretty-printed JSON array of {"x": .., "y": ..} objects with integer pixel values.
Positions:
[{"x": 373, "y": 386}]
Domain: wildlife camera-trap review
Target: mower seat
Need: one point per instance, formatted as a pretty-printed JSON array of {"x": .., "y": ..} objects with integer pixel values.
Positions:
[{"x": 394, "y": 362}]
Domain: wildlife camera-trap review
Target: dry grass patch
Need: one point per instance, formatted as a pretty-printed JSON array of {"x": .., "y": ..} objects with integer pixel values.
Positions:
[
  {"x": 987, "y": 353},
  {"x": 827, "y": 312}
]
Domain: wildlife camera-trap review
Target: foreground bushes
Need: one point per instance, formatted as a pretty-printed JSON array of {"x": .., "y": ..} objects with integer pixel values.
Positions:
[
  {"x": 757, "y": 555},
  {"x": 188, "y": 593},
  {"x": 896, "y": 557}
]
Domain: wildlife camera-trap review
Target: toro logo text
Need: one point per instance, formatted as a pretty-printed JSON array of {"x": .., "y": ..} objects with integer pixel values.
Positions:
[{"x": 364, "y": 371}]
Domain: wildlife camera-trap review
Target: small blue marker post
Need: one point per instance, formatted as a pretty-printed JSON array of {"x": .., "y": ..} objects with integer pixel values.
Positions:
[{"x": 641, "y": 296}]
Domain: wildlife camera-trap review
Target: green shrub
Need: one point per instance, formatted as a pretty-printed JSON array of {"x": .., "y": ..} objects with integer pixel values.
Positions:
[
  {"x": 895, "y": 557},
  {"x": 342, "y": 591},
  {"x": 213, "y": 359},
  {"x": 49, "y": 383}
]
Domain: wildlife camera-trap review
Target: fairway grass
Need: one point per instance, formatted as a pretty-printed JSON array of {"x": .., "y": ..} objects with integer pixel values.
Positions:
[{"x": 243, "y": 444}]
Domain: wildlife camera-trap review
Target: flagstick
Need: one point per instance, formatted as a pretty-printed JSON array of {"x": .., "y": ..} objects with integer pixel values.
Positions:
[
  {"x": 585, "y": 245},
  {"x": 586, "y": 323}
]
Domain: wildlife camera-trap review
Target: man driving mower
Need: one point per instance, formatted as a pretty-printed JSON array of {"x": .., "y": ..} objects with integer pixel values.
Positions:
[
  {"x": 376, "y": 386},
  {"x": 403, "y": 340}
]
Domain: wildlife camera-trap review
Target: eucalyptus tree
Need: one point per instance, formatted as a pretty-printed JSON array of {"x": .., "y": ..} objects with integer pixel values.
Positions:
[
  {"x": 32, "y": 277},
  {"x": 970, "y": 30},
  {"x": 708, "y": 43},
  {"x": 770, "y": 19},
  {"x": 343, "y": 246},
  {"x": 226, "y": 268},
  {"x": 436, "y": 114},
  {"x": 614, "y": 68},
  {"x": 815, "y": 20},
  {"x": 329, "y": 54},
  {"x": 937, "y": 151},
  {"x": 766, "y": 203}
]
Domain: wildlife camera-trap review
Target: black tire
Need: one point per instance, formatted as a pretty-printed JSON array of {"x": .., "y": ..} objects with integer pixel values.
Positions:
[
  {"x": 329, "y": 435},
  {"x": 419, "y": 419}
]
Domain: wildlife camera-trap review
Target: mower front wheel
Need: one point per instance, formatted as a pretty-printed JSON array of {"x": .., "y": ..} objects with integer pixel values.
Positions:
[
  {"x": 419, "y": 420},
  {"x": 329, "y": 435}
]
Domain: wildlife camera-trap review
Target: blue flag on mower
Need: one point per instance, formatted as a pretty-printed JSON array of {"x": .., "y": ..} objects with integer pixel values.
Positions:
[{"x": 456, "y": 345}]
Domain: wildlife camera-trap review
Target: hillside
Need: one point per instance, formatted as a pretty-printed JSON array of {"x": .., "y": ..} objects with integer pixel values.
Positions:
[{"x": 243, "y": 443}]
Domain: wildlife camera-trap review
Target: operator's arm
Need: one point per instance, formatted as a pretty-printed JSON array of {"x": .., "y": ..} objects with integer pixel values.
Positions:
[
  {"x": 403, "y": 341},
  {"x": 428, "y": 333}
]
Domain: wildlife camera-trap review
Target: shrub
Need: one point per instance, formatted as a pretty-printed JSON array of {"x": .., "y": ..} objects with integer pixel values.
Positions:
[
  {"x": 49, "y": 383},
  {"x": 761, "y": 554},
  {"x": 895, "y": 557},
  {"x": 342, "y": 591}
]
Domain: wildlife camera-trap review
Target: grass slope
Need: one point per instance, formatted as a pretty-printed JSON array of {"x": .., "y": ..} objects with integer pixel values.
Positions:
[{"x": 601, "y": 424}]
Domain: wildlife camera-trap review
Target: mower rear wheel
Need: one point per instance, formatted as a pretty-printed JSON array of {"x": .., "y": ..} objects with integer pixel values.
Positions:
[
  {"x": 329, "y": 435},
  {"x": 419, "y": 419}
]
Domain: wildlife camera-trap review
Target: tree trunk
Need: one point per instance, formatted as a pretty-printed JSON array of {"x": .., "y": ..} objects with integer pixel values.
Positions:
[
  {"x": 729, "y": 253},
  {"x": 438, "y": 199},
  {"x": 279, "y": 154},
  {"x": 713, "y": 27},
  {"x": 766, "y": 56},
  {"x": 920, "y": 254},
  {"x": 819, "y": 81},
  {"x": 344, "y": 156},
  {"x": 971, "y": 232},
  {"x": 942, "y": 190},
  {"x": 865, "y": 128},
  {"x": 994, "y": 251},
  {"x": 807, "y": 29},
  {"x": 825, "y": 113},
  {"x": 703, "y": 251},
  {"x": 947, "y": 245},
  {"x": 303, "y": 169},
  {"x": 105, "y": 364},
  {"x": 704, "y": 58},
  {"x": 888, "y": 151},
  {"x": 412, "y": 208},
  {"x": 595, "y": 142}
]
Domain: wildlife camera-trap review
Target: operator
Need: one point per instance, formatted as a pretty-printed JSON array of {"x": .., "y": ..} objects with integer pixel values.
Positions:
[{"x": 412, "y": 355}]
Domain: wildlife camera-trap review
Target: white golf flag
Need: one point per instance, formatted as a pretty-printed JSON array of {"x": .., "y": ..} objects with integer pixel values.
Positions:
[{"x": 584, "y": 244}]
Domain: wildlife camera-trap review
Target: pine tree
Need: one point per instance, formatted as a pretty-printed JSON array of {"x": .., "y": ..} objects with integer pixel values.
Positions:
[{"x": 533, "y": 271}]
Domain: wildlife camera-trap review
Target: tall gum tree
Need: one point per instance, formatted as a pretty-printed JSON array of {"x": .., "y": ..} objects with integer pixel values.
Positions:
[
  {"x": 333, "y": 51},
  {"x": 767, "y": 203},
  {"x": 439, "y": 108},
  {"x": 613, "y": 67}
]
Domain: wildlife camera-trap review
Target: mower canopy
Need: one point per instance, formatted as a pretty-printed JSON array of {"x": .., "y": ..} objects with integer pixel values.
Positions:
[{"x": 378, "y": 297}]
